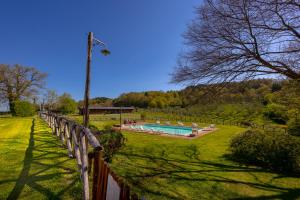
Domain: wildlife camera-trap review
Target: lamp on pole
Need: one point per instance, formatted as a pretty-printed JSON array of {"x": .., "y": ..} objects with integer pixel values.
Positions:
[{"x": 91, "y": 42}]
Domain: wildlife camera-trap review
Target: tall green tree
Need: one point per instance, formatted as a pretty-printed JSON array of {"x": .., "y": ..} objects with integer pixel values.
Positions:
[{"x": 66, "y": 104}]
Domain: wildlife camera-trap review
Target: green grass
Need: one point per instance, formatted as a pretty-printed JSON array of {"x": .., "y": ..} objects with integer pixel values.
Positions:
[
  {"x": 33, "y": 163},
  {"x": 160, "y": 167}
]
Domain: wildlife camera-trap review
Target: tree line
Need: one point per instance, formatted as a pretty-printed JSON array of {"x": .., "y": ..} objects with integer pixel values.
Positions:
[{"x": 276, "y": 100}]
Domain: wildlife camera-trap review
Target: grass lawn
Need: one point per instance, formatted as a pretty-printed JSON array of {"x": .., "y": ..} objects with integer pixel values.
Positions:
[
  {"x": 160, "y": 167},
  {"x": 33, "y": 163}
]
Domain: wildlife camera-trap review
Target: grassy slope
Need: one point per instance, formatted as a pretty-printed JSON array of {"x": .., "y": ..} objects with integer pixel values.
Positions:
[
  {"x": 171, "y": 168},
  {"x": 34, "y": 166}
]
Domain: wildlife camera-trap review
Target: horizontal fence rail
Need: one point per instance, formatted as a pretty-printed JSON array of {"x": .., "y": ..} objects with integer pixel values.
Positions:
[{"x": 77, "y": 139}]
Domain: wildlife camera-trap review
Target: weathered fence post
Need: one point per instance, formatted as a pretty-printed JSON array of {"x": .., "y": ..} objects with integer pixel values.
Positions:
[
  {"x": 84, "y": 167},
  {"x": 76, "y": 146},
  {"x": 57, "y": 127},
  {"x": 62, "y": 132},
  {"x": 68, "y": 139}
]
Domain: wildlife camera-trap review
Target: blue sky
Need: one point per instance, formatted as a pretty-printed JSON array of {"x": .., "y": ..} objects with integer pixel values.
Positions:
[{"x": 144, "y": 37}]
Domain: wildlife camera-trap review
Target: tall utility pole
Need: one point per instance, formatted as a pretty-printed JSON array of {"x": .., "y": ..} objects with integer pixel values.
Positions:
[
  {"x": 88, "y": 80},
  {"x": 91, "y": 42}
]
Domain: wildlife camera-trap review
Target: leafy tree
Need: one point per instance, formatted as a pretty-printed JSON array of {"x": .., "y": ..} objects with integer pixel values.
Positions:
[
  {"x": 23, "y": 109},
  {"x": 153, "y": 99},
  {"x": 18, "y": 82},
  {"x": 153, "y": 104},
  {"x": 66, "y": 104}
]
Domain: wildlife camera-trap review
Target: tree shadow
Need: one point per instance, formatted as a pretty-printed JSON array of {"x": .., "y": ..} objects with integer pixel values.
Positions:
[
  {"x": 44, "y": 163},
  {"x": 146, "y": 167}
]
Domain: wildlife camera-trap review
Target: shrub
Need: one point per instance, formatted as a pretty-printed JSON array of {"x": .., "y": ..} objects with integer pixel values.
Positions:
[
  {"x": 294, "y": 127},
  {"x": 276, "y": 151},
  {"x": 111, "y": 141},
  {"x": 276, "y": 113},
  {"x": 246, "y": 123},
  {"x": 23, "y": 109},
  {"x": 107, "y": 127}
]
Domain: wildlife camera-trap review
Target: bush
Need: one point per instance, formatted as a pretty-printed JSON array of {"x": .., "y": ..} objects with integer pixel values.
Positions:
[
  {"x": 276, "y": 151},
  {"x": 111, "y": 141},
  {"x": 23, "y": 109},
  {"x": 246, "y": 123},
  {"x": 294, "y": 127},
  {"x": 276, "y": 113}
]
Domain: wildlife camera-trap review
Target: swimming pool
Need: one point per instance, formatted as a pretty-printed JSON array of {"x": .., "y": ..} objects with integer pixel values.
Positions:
[{"x": 174, "y": 130}]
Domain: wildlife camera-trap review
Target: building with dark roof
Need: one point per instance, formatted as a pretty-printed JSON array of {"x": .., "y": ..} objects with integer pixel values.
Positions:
[{"x": 107, "y": 110}]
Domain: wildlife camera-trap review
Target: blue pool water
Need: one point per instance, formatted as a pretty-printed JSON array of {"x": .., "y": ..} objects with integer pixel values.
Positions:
[{"x": 174, "y": 130}]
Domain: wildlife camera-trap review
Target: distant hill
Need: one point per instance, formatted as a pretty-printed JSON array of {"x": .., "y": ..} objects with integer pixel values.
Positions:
[
  {"x": 100, "y": 101},
  {"x": 236, "y": 92},
  {"x": 253, "y": 100}
]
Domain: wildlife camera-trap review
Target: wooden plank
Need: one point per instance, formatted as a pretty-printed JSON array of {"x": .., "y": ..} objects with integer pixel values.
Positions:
[
  {"x": 97, "y": 175},
  {"x": 105, "y": 179},
  {"x": 103, "y": 166},
  {"x": 100, "y": 186},
  {"x": 122, "y": 186},
  {"x": 90, "y": 161},
  {"x": 125, "y": 192}
]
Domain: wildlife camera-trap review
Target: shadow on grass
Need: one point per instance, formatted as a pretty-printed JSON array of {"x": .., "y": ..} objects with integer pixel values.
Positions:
[
  {"x": 146, "y": 168},
  {"x": 39, "y": 166}
]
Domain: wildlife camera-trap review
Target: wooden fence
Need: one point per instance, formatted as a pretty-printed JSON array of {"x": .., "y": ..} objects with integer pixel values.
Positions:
[{"x": 77, "y": 139}]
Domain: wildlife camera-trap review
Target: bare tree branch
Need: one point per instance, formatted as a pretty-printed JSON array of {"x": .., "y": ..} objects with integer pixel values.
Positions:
[{"x": 237, "y": 39}]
